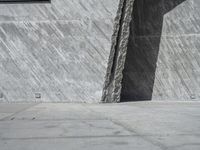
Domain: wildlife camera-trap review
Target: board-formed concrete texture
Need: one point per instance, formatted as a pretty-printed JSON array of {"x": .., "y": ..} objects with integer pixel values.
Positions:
[
  {"x": 55, "y": 51},
  {"x": 60, "y": 51},
  {"x": 162, "y": 57}
]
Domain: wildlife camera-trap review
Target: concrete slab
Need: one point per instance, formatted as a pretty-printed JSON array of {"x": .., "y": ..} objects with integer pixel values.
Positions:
[
  {"x": 7, "y": 110},
  {"x": 60, "y": 129},
  {"x": 14, "y": 107},
  {"x": 107, "y": 143},
  {"x": 140, "y": 125},
  {"x": 53, "y": 111},
  {"x": 3, "y": 115}
]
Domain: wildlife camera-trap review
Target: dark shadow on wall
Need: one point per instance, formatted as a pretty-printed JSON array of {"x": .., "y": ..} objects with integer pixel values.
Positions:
[{"x": 143, "y": 48}]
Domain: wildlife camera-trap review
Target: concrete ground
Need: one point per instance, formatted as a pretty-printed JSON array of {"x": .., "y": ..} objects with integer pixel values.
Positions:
[{"x": 128, "y": 126}]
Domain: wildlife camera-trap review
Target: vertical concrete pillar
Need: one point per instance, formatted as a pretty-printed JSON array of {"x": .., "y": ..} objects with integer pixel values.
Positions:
[{"x": 112, "y": 87}]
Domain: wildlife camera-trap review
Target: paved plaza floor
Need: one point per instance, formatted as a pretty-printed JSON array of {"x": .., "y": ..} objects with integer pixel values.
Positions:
[{"x": 124, "y": 126}]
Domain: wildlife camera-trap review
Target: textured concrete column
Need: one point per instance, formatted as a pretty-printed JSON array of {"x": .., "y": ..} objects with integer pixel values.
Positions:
[{"x": 112, "y": 87}]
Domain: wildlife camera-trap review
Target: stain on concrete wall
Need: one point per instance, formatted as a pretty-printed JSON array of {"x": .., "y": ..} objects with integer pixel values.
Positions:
[
  {"x": 163, "y": 57},
  {"x": 55, "y": 51}
]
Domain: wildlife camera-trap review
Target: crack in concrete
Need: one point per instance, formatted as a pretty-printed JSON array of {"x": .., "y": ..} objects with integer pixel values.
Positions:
[
  {"x": 68, "y": 137},
  {"x": 132, "y": 131}
]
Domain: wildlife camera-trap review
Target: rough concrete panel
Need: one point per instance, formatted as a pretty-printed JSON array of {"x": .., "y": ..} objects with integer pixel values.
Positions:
[
  {"x": 55, "y": 51},
  {"x": 163, "y": 51}
]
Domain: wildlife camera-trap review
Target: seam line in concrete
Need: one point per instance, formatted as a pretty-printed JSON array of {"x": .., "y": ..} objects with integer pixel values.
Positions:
[
  {"x": 81, "y": 137},
  {"x": 15, "y": 113},
  {"x": 132, "y": 131}
]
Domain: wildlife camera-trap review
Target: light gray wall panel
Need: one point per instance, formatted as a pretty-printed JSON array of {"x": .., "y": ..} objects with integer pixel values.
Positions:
[{"x": 59, "y": 50}]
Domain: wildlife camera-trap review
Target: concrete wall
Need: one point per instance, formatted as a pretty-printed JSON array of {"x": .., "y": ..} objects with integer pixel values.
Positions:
[
  {"x": 163, "y": 57},
  {"x": 55, "y": 51}
]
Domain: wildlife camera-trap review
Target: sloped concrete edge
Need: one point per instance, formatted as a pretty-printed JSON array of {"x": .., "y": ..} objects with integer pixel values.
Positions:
[{"x": 113, "y": 78}]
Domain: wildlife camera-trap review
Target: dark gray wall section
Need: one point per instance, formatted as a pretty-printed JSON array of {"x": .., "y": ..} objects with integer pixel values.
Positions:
[
  {"x": 163, "y": 57},
  {"x": 56, "y": 51}
]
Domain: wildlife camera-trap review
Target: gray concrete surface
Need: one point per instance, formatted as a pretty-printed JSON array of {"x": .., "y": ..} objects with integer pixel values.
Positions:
[
  {"x": 140, "y": 126},
  {"x": 58, "y": 50},
  {"x": 163, "y": 51},
  {"x": 162, "y": 54}
]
